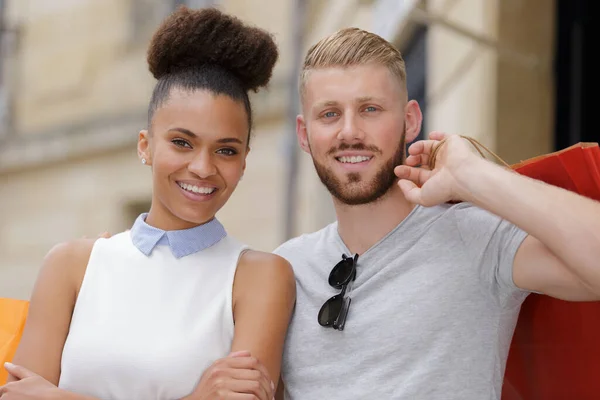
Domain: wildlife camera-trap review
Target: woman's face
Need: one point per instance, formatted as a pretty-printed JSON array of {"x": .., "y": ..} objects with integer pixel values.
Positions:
[{"x": 196, "y": 147}]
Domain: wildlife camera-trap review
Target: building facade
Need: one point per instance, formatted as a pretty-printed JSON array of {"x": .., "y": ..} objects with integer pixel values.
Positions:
[{"x": 74, "y": 88}]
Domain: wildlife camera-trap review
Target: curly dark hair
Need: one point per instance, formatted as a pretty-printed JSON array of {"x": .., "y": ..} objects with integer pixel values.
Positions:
[{"x": 210, "y": 50}]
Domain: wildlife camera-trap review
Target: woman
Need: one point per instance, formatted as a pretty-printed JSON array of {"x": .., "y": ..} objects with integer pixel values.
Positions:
[{"x": 173, "y": 308}]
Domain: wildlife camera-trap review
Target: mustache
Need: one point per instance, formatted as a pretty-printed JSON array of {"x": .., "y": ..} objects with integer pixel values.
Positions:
[{"x": 354, "y": 146}]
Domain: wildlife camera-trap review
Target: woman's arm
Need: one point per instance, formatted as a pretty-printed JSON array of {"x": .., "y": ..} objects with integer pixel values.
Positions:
[
  {"x": 264, "y": 294},
  {"x": 51, "y": 306},
  {"x": 36, "y": 369}
]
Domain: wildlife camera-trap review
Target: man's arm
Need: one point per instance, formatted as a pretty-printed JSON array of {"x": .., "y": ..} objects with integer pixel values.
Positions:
[{"x": 561, "y": 256}]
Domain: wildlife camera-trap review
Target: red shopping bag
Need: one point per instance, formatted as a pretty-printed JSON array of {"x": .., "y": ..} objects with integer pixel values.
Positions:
[
  {"x": 576, "y": 168},
  {"x": 555, "y": 350}
]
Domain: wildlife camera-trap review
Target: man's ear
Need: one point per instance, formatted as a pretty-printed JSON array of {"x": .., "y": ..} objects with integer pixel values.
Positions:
[
  {"x": 302, "y": 133},
  {"x": 413, "y": 119}
]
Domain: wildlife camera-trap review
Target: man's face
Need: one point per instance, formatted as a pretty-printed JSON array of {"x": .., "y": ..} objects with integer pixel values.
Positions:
[{"x": 355, "y": 128}]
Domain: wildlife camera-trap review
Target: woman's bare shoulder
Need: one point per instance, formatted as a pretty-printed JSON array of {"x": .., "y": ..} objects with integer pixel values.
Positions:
[
  {"x": 67, "y": 261},
  {"x": 267, "y": 268}
]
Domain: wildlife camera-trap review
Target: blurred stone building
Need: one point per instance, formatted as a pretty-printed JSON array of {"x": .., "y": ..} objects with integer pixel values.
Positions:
[{"x": 74, "y": 88}]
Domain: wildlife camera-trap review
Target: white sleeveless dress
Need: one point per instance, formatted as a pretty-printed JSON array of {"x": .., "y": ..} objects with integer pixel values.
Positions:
[{"x": 147, "y": 326}]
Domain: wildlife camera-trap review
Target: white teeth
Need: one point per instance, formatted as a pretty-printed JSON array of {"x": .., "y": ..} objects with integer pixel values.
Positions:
[
  {"x": 196, "y": 189},
  {"x": 354, "y": 159}
]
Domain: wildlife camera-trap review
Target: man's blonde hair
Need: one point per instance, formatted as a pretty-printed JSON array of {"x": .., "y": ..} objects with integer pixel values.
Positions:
[{"x": 353, "y": 46}]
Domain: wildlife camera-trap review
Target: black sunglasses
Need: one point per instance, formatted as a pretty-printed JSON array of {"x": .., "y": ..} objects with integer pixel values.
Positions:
[{"x": 335, "y": 310}]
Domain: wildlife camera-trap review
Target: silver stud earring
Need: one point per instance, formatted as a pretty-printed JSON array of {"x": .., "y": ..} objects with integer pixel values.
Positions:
[{"x": 143, "y": 161}]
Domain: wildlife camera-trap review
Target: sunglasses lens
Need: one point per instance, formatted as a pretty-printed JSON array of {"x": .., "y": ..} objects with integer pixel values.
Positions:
[
  {"x": 330, "y": 310},
  {"x": 341, "y": 273}
]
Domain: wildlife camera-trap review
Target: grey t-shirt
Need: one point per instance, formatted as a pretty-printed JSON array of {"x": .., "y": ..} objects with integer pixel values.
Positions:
[{"x": 433, "y": 311}]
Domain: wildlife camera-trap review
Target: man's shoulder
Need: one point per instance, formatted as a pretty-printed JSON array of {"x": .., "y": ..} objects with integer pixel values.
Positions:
[
  {"x": 471, "y": 213},
  {"x": 451, "y": 220},
  {"x": 473, "y": 225},
  {"x": 305, "y": 242},
  {"x": 462, "y": 210}
]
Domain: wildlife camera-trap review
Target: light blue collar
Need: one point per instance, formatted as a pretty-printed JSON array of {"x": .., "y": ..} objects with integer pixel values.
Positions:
[{"x": 181, "y": 242}]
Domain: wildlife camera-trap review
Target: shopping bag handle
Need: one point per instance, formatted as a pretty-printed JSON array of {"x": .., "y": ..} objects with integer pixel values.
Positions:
[{"x": 475, "y": 143}]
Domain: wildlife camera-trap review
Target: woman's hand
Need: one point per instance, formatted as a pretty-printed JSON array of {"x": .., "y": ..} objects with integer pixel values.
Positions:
[
  {"x": 29, "y": 386},
  {"x": 238, "y": 376}
]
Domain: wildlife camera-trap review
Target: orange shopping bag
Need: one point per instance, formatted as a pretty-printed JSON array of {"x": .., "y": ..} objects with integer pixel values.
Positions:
[
  {"x": 555, "y": 350},
  {"x": 13, "y": 314}
]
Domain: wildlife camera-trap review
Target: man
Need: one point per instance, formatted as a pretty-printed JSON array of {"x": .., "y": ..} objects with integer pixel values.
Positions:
[{"x": 444, "y": 257}]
